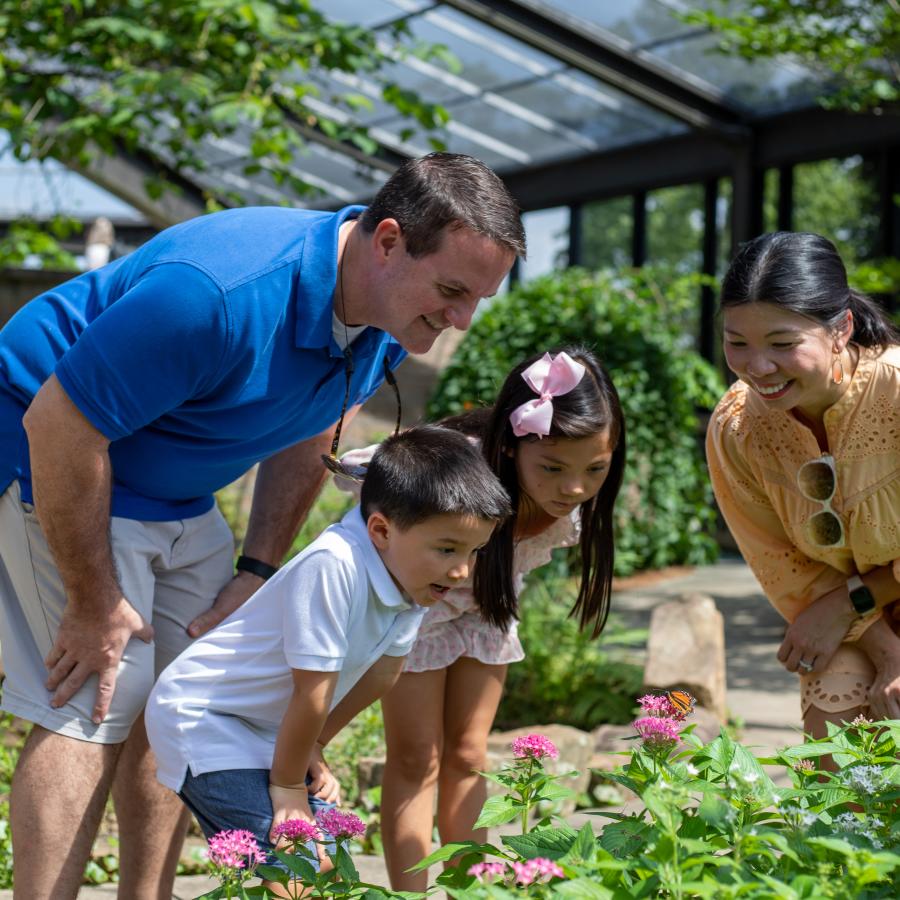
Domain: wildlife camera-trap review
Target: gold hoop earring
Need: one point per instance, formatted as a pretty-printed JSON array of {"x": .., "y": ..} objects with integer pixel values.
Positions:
[{"x": 837, "y": 369}]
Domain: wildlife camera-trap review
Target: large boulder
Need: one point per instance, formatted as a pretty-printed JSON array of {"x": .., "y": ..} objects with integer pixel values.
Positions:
[{"x": 686, "y": 649}]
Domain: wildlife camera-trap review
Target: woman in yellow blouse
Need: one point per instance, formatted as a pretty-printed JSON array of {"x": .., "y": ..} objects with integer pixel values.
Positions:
[{"x": 804, "y": 455}]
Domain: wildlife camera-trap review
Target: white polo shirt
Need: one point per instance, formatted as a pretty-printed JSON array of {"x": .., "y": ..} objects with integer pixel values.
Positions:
[{"x": 333, "y": 608}]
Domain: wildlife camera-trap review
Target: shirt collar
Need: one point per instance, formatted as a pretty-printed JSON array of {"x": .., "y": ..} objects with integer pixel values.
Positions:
[
  {"x": 382, "y": 583},
  {"x": 317, "y": 280}
]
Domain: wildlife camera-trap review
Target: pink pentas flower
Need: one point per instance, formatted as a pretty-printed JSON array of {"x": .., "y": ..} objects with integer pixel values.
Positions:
[
  {"x": 488, "y": 871},
  {"x": 235, "y": 850},
  {"x": 657, "y": 705},
  {"x": 534, "y": 746},
  {"x": 538, "y": 869},
  {"x": 658, "y": 730},
  {"x": 297, "y": 830},
  {"x": 340, "y": 824}
]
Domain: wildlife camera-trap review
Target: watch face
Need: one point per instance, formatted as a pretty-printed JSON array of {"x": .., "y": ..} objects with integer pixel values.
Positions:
[{"x": 862, "y": 600}]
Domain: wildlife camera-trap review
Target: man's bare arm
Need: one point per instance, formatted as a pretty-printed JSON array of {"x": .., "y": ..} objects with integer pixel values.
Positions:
[
  {"x": 72, "y": 481},
  {"x": 287, "y": 484}
]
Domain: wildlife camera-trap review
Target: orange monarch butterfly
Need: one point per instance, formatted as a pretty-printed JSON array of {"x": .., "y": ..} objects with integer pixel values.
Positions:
[{"x": 683, "y": 703}]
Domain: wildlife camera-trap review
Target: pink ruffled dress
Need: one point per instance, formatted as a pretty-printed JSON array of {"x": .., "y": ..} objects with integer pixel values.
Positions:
[{"x": 454, "y": 627}]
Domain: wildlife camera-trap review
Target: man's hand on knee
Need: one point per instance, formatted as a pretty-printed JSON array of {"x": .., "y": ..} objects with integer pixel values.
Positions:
[{"x": 89, "y": 641}]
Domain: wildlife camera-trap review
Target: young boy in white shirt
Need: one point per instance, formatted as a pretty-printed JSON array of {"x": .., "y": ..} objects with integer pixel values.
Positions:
[{"x": 239, "y": 720}]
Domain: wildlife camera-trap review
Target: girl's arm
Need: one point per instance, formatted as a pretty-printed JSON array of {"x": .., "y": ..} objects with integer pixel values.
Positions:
[
  {"x": 883, "y": 647},
  {"x": 300, "y": 729}
]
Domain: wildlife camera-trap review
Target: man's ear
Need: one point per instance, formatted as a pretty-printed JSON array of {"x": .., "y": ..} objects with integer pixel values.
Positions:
[
  {"x": 379, "y": 528},
  {"x": 387, "y": 239}
]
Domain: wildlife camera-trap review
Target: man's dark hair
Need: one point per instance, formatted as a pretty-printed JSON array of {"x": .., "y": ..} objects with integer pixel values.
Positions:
[
  {"x": 431, "y": 471},
  {"x": 442, "y": 190}
]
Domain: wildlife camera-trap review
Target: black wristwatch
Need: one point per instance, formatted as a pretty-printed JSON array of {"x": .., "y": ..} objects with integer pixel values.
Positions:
[{"x": 860, "y": 596}]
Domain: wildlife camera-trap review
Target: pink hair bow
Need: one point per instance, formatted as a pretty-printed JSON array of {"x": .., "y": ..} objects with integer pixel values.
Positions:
[{"x": 548, "y": 377}]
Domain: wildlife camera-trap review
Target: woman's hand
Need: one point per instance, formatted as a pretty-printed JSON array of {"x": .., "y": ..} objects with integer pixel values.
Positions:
[
  {"x": 817, "y": 632},
  {"x": 884, "y": 695},
  {"x": 322, "y": 782},
  {"x": 882, "y": 646}
]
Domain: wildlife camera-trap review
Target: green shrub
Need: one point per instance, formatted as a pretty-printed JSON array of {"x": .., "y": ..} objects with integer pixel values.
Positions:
[
  {"x": 665, "y": 513},
  {"x": 568, "y": 678}
]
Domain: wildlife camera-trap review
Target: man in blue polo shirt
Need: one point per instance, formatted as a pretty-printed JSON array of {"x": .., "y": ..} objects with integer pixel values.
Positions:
[{"x": 127, "y": 397}]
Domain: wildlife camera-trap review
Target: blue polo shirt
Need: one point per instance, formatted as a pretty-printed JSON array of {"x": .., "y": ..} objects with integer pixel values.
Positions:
[{"x": 203, "y": 352}]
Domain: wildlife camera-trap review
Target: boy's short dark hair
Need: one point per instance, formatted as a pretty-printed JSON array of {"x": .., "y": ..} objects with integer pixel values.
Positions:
[{"x": 431, "y": 471}]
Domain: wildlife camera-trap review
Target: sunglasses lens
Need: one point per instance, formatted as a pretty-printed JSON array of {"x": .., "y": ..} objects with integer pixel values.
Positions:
[
  {"x": 816, "y": 481},
  {"x": 825, "y": 529},
  {"x": 336, "y": 467}
]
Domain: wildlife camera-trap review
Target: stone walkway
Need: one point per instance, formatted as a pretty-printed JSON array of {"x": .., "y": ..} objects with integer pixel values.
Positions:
[{"x": 761, "y": 694}]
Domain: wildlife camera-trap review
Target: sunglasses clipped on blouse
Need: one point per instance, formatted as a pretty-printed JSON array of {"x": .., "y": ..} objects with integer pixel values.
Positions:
[{"x": 817, "y": 481}]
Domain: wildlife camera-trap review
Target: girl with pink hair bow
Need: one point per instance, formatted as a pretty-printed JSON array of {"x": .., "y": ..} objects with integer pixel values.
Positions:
[{"x": 556, "y": 439}]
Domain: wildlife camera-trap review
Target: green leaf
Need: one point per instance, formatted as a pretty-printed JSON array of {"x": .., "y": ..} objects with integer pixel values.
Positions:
[
  {"x": 581, "y": 888},
  {"x": 625, "y": 838},
  {"x": 448, "y": 851},
  {"x": 553, "y": 843},
  {"x": 497, "y": 811}
]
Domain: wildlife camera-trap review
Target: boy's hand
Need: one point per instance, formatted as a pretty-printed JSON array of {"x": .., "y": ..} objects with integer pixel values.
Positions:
[
  {"x": 322, "y": 781},
  {"x": 288, "y": 803}
]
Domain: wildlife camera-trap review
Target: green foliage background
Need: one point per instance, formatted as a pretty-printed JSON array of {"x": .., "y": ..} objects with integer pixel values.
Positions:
[
  {"x": 568, "y": 677},
  {"x": 665, "y": 513}
]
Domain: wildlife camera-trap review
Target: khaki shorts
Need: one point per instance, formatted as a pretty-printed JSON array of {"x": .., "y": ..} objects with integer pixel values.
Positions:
[{"x": 169, "y": 571}]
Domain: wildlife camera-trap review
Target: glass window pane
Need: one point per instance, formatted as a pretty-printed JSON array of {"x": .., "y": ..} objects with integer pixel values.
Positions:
[
  {"x": 723, "y": 226},
  {"x": 771, "y": 193},
  {"x": 838, "y": 198},
  {"x": 606, "y": 233},
  {"x": 638, "y": 21},
  {"x": 675, "y": 228},
  {"x": 370, "y": 14},
  {"x": 547, "y": 233},
  {"x": 603, "y": 116}
]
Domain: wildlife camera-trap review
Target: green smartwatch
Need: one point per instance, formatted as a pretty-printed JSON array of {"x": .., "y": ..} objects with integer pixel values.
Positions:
[{"x": 860, "y": 596}]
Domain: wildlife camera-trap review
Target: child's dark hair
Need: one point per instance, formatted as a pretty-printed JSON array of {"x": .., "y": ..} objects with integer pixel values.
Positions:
[
  {"x": 431, "y": 471},
  {"x": 803, "y": 273},
  {"x": 592, "y": 406}
]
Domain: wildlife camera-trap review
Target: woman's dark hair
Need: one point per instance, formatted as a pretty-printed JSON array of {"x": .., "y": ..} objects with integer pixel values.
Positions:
[
  {"x": 446, "y": 190},
  {"x": 803, "y": 273},
  {"x": 592, "y": 406}
]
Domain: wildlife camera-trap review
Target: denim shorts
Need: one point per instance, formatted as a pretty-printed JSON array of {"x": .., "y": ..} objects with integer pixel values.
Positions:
[{"x": 239, "y": 799}]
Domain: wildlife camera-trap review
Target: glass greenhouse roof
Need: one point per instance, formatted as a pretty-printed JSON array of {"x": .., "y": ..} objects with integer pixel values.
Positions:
[{"x": 524, "y": 95}]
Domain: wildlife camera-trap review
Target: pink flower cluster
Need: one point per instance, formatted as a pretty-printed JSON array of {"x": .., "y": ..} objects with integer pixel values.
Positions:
[
  {"x": 534, "y": 746},
  {"x": 658, "y": 731},
  {"x": 297, "y": 830},
  {"x": 340, "y": 824},
  {"x": 657, "y": 705},
  {"x": 235, "y": 850},
  {"x": 528, "y": 872},
  {"x": 488, "y": 871},
  {"x": 539, "y": 869}
]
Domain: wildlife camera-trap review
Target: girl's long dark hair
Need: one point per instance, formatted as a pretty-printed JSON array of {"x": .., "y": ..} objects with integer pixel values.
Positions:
[
  {"x": 803, "y": 273},
  {"x": 592, "y": 406}
]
